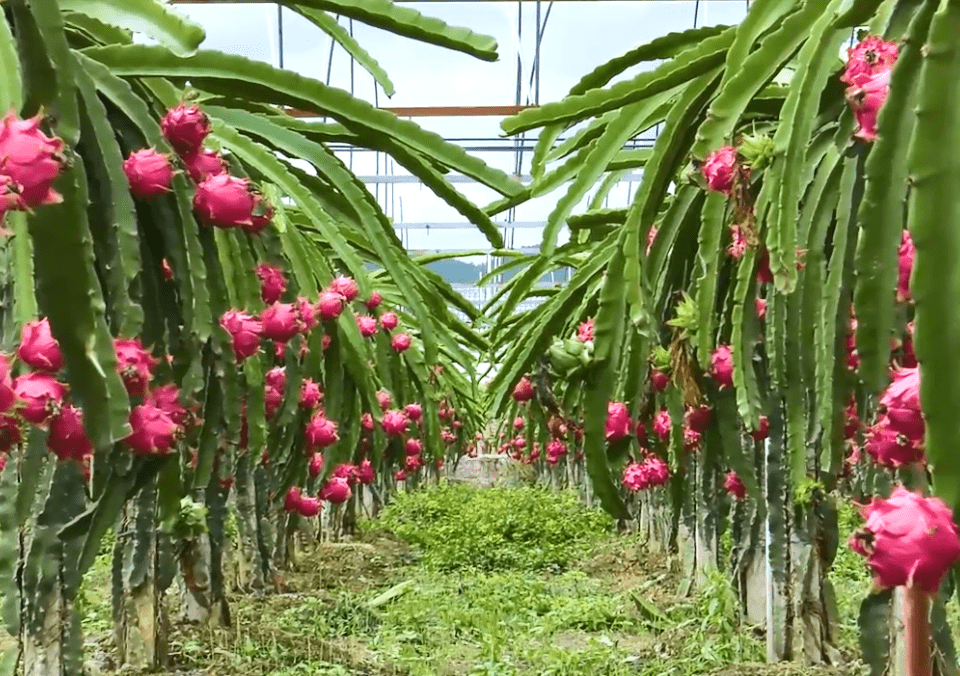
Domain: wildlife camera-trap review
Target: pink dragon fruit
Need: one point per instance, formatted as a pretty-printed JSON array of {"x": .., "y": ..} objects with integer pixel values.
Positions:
[
  {"x": 738, "y": 242},
  {"x": 401, "y": 475},
  {"x": 734, "y": 486},
  {"x": 245, "y": 332},
  {"x": 394, "y": 423},
  {"x": 908, "y": 540},
  {"x": 691, "y": 439},
  {"x": 389, "y": 321},
  {"x": 518, "y": 423},
  {"x": 154, "y": 431},
  {"x": 450, "y": 438},
  {"x": 9, "y": 195},
  {"x": 308, "y": 507},
  {"x": 11, "y": 431},
  {"x": 889, "y": 448},
  {"x": 663, "y": 424},
  {"x": 366, "y": 422},
  {"x": 225, "y": 201},
  {"x": 901, "y": 405},
  {"x": 555, "y": 451},
  {"x": 585, "y": 331},
  {"x": 167, "y": 399},
  {"x": 656, "y": 470},
  {"x": 38, "y": 348},
  {"x": 274, "y": 387},
  {"x": 764, "y": 273},
  {"x": 865, "y": 101},
  {"x": 367, "y": 325},
  {"x": 720, "y": 169},
  {"x": 905, "y": 266},
  {"x": 32, "y": 160},
  {"x": 698, "y": 418},
  {"x": 760, "y": 305},
  {"x": 346, "y": 287},
  {"x": 306, "y": 317},
  {"x": 166, "y": 270},
  {"x": 365, "y": 473},
  {"x": 291, "y": 502},
  {"x": 336, "y": 491},
  {"x": 41, "y": 395},
  {"x": 763, "y": 429},
  {"x": 185, "y": 127},
  {"x": 721, "y": 366},
  {"x": 148, "y": 172},
  {"x": 66, "y": 437},
  {"x": 201, "y": 164},
  {"x": 413, "y": 447},
  {"x": 272, "y": 283},
  {"x": 321, "y": 432},
  {"x": 523, "y": 390},
  {"x": 134, "y": 364},
  {"x": 618, "y": 423},
  {"x": 330, "y": 305},
  {"x": 870, "y": 56},
  {"x": 315, "y": 465},
  {"x": 400, "y": 342},
  {"x": 346, "y": 470},
  {"x": 413, "y": 411},
  {"x": 280, "y": 322},
  {"x": 325, "y": 341},
  {"x": 634, "y": 478},
  {"x": 412, "y": 463},
  {"x": 384, "y": 399},
  {"x": 651, "y": 238},
  {"x": 310, "y": 394},
  {"x": 373, "y": 301},
  {"x": 659, "y": 380}
]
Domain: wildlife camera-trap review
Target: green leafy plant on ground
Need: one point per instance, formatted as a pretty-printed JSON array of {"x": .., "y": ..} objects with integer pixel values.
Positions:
[{"x": 459, "y": 526}]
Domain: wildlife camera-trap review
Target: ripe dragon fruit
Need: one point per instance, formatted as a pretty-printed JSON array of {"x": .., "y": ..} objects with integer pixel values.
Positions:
[
  {"x": 400, "y": 342},
  {"x": 865, "y": 101},
  {"x": 336, "y": 491},
  {"x": 310, "y": 394},
  {"x": 148, "y": 172},
  {"x": 367, "y": 325},
  {"x": 734, "y": 486},
  {"x": 154, "y": 431},
  {"x": 389, "y": 321},
  {"x": 523, "y": 390},
  {"x": 373, "y": 301},
  {"x": 412, "y": 463},
  {"x": 698, "y": 418},
  {"x": 202, "y": 164},
  {"x": 585, "y": 331},
  {"x": 38, "y": 348},
  {"x": 738, "y": 242},
  {"x": 384, "y": 399},
  {"x": 308, "y": 506},
  {"x": 9, "y": 195},
  {"x": 346, "y": 470},
  {"x": 764, "y": 274},
  {"x": 663, "y": 424},
  {"x": 518, "y": 423},
  {"x": 11, "y": 432},
  {"x": 280, "y": 322},
  {"x": 272, "y": 283},
  {"x": 400, "y": 476},
  {"x": 325, "y": 341},
  {"x": 900, "y": 404},
  {"x": 618, "y": 423},
  {"x": 225, "y": 201},
  {"x": 889, "y": 448},
  {"x": 450, "y": 438},
  {"x": 274, "y": 387},
  {"x": 346, "y": 287},
  {"x": 41, "y": 396},
  {"x": 870, "y": 56},
  {"x": 166, "y": 270},
  {"x": 763, "y": 429},
  {"x": 365, "y": 473},
  {"x": 413, "y": 447},
  {"x": 134, "y": 364},
  {"x": 66, "y": 437},
  {"x": 321, "y": 432},
  {"x": 721, "y": 366},
  {"x": 651, "y": 238},
  {"x": 413, "y": 411},
  {"x": 760, "y": 305},
  {"x": 720, "y": 169},
  {"x": 691, "y": 439},
  {"x": 167, "y": 399},
  {"x": 185, "y": 127},
  {"x": 366, "y": 422},
  {"x": 245, "y": 332},
  {"x": 905, "y": 266},
  {"x": 315, "y": 465},
  {"x": 395, "y": 423},
  {"x": 650, "y": 473},
  {"x": 659, "y": 380},
  {"x": 32, "y": 160},
  {"x": 330, "y": 305},
  {"x": 307, "y": 318},
  {"x": 908, "y": 540},
  {"x": 555, "y": 451},
  {"x": 291, "y": 503}
]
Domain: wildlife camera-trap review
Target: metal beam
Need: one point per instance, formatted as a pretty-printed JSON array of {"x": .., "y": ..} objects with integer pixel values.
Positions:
[
  {"x": 457, "y": 178},
  {"x": 432, "y": 111},
  {"x": 464, "y": 225}
]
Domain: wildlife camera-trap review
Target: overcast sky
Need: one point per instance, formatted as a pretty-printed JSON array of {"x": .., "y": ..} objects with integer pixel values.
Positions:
[{"x": 578, "y": 37}]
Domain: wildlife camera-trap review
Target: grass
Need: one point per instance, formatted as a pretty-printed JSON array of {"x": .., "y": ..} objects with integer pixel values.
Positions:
[{"x": 593, "y": 604}]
